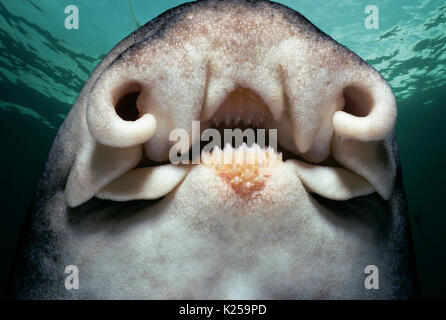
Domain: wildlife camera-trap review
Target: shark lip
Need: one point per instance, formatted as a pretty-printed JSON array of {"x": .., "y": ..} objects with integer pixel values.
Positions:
[
  {"x": 244, "y": 164},
  {"x": 242, "y": 112},
  {"x": 244, "y": 161}
]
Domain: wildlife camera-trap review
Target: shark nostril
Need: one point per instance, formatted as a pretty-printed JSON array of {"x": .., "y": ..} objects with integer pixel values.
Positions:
[
  {"x": 125, "y": 99},
  {"x": 126, "y": 107},
  {"x": 358, "y": 101}
]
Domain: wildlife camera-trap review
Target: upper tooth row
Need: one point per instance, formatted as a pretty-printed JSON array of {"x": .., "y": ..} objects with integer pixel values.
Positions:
[{"x": 237, "y": 120}]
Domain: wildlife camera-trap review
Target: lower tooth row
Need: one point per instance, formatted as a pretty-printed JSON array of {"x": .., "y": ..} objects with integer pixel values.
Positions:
[{"x": 245, "y": 168}]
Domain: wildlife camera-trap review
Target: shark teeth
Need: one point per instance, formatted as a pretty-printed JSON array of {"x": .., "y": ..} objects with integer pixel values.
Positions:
[
  {"x": 241, "y": 108},
  {"x": 245, "y": 169}
]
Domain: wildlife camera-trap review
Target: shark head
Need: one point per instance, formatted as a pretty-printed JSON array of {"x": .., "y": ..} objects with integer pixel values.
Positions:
[{"x": 302, "y": 219}]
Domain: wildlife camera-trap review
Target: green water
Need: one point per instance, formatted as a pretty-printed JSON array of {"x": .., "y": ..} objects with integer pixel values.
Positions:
[{"x": 43, "y": 67}]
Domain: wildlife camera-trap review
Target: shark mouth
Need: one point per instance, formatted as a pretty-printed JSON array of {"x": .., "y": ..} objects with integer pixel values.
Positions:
[{"x": 331, "y": 113}]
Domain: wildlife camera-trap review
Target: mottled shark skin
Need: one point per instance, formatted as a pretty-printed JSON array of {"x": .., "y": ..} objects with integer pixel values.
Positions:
[{"x": 163, "y": 231}]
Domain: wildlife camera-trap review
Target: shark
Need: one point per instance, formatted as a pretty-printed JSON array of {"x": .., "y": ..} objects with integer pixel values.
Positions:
[{"x": 306, "y": 220}]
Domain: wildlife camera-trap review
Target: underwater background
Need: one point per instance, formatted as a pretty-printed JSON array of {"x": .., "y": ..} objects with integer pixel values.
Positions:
[{"x": 43, "y": 67}]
